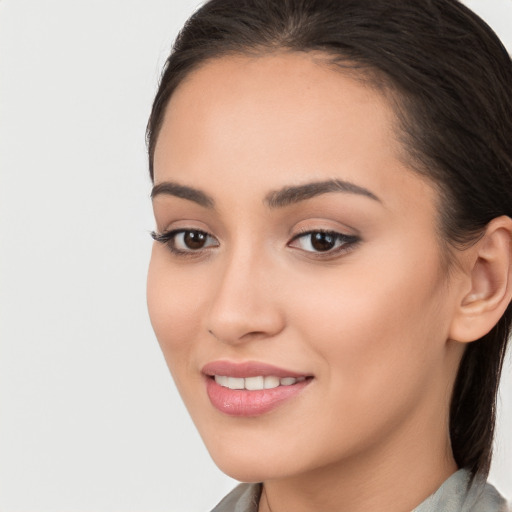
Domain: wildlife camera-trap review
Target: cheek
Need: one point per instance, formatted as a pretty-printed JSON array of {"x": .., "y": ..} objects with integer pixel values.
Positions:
[
  {"x": 377, "y": 330},
  {"x": 173, "y": 306}
]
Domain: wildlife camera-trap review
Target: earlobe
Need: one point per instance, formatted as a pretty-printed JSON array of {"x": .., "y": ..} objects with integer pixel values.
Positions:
[{"x": 489, "y": 275}]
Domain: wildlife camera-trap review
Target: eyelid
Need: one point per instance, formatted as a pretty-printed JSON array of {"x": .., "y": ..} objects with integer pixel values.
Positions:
[
  {"x": 348, "y": 242},
  {"x": 168, "y": 237},
  {"x": 342, "y": 242}
]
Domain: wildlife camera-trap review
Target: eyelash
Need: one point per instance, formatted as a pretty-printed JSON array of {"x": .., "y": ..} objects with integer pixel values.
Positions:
[
  {"x": 346, "y": 242},
  {"x": 168, "y": 238}
]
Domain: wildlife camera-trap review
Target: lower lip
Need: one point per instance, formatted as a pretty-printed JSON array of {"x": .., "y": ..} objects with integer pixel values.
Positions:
[{"x": 241, "y": 402}]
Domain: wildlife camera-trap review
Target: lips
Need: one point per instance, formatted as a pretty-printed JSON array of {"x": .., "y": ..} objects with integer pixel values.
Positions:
[
  {"x": 251, "y": 388},
  {"x": 247, "y": 369}
]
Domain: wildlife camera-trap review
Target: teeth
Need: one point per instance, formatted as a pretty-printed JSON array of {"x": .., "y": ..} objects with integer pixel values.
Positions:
[
  {"x": 256, "y": 383},
  {"x": 236, "y": 383},
  {"x": 221, "y": 380},
  {"x": 271, "y": 382}
]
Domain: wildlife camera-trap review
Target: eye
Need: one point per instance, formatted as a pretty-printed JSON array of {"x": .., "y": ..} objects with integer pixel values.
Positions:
[
  {"x": 323, "y": 241},
  {"x": 186, "y": 241}
]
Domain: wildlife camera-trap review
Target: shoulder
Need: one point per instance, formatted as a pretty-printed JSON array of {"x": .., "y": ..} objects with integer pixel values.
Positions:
[
  {"x": 485, "y": 498},
  {"x": 243, "y": 498},
  {"x": 459, "y": 494}
]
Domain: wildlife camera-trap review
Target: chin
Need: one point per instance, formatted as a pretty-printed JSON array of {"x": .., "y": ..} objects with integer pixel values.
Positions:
[
  {"x": 245, "y": 470},
  {"x": 243, "y": 473},
  {"x": 251, "y": 462}
]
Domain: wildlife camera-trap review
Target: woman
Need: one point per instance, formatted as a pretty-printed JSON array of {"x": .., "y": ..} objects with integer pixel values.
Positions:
[{"x": 331, "y": 278}]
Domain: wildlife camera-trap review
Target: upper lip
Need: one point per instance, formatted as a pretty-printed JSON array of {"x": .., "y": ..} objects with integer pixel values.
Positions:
[{"x": 248, "y": 369}]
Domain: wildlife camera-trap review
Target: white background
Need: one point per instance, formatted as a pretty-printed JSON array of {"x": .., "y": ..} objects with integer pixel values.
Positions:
[{"x": 89, "y": 418}]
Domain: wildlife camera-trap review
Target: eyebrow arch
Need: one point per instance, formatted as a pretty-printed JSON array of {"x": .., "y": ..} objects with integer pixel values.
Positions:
[
  {"x": 191, "y": 194},
  {"x": 291, "y": 195}
]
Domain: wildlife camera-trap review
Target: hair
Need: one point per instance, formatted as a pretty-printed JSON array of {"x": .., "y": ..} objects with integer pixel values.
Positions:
[{"x": 451, "y": 80}]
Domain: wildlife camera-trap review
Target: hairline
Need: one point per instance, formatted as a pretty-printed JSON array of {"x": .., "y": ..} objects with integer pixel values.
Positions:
[{"x": 369, "y": 76}]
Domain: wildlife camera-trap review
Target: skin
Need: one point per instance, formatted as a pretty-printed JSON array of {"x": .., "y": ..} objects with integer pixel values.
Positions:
[{"x": 371, "y": 321}]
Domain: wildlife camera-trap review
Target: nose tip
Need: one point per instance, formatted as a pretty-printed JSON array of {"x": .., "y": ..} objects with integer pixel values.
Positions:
[
  {"x": 235, "y": 334},
  {"x": 244, "y": 307},
  {"x": 238, "y": 325}
]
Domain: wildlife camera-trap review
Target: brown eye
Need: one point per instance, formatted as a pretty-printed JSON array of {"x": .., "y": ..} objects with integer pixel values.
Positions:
[
  {"x": 322, "y": 241},
  {"x": 194, "y": 239},
  {"x": 182, "y": 241},
  {"x": 191, "y": 240}
]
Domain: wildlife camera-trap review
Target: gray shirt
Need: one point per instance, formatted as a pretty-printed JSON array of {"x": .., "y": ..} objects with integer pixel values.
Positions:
[{"x": 454, "y": 495}]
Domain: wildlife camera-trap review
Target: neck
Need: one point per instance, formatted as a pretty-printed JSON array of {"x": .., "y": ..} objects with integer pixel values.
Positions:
[{"x": 375, "y": 480}]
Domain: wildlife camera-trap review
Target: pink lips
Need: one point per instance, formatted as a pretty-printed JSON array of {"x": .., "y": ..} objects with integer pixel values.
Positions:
[{"x": 243, "y": 402}]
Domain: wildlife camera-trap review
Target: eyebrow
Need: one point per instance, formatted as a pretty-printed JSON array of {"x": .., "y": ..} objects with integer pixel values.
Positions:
[
  {"x": 276, "y": 199},
  {"x": 291, "y": 195},
  {"x": 192, "y": 194}
]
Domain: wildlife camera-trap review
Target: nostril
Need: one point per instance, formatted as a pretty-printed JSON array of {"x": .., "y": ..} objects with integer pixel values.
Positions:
[{"x": 238, "y": 324}]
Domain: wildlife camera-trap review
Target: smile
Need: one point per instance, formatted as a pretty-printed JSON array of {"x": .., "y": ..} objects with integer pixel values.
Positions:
[
  {"x": 257, "y": 383},
  {"x": 251, "y": 388}
]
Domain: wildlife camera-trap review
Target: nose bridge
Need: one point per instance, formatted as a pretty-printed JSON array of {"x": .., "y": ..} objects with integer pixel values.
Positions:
[{"x": 244, "y": 301}]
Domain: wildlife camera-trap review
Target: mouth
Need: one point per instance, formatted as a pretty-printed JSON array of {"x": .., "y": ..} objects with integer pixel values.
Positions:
[
  {"x": 257, "y": 383},
  {"x": 251, "y": 388}
]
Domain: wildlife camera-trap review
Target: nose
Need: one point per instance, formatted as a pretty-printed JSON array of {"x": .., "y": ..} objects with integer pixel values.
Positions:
[{"x": 245, "y": 303}]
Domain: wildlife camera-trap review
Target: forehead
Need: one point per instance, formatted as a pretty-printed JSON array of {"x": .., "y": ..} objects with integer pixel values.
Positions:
[
  {"x": 277, "y": 90},
  {"x": 265, "y": 122}
]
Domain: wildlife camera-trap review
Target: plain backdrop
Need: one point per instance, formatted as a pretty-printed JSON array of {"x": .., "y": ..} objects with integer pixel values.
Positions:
[{"x": 89, "y": 417}]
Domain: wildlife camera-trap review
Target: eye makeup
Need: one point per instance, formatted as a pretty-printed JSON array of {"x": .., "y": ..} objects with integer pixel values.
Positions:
[
  {"x": 323, "y": 242},
  {"x": 317, "y": 242},
  {"x": 185, "y": 242}
]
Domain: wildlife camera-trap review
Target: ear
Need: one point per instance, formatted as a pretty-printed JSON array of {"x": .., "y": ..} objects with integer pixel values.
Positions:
[{"x": 488, "y": 277}]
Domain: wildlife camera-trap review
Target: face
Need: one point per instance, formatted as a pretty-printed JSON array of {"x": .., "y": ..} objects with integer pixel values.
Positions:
[{"x": 296, "y": 286}]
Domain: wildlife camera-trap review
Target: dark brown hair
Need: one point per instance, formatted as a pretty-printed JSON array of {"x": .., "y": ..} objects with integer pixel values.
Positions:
[{"x": 452, "y": 81}]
